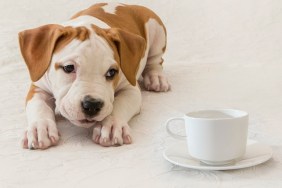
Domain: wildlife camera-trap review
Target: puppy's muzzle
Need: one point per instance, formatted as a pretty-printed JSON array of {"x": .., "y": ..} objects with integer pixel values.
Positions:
[{"x": 91, "y": 106}]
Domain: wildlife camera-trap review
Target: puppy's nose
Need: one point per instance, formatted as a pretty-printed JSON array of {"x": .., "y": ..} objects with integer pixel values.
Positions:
[{"x": 91, "y": 106}]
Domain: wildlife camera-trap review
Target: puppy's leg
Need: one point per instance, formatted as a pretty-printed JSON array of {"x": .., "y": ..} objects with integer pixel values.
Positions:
[
  {"x": 114, "y": 129},
  {"x": 153, "y": 77},
  {"x": 42, "y": 131}
]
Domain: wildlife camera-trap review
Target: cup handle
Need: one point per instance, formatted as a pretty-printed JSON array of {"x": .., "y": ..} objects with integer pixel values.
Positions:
[{"x": 174, "y": 135}]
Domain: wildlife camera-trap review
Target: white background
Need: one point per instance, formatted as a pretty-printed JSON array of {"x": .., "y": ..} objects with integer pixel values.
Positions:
[{"x": 221, "y": 54}]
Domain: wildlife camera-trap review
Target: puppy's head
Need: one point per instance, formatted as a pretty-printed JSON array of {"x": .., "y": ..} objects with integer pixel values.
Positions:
[{"x": 82, "y": 66}]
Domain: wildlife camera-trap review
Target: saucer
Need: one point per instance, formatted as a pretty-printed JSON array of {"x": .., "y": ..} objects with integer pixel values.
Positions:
[{"x": 256, "y": 153}]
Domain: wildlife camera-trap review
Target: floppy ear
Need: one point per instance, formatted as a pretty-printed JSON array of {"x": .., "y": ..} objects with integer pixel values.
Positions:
[
  {"x": 131, "y": 49},
  {"x": 37, "y": 47}
]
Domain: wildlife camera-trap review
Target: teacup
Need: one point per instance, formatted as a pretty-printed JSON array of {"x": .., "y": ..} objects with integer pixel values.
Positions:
[{"x": 215, "y": 137}]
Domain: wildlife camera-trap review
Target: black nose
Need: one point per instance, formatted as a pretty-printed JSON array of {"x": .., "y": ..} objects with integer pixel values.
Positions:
[{"x": 91, "y": 106}]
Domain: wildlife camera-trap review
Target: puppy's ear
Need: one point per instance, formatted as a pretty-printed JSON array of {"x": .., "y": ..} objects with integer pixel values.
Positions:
[
  {"x": 37, "y": 46},
  {"x": 131, "y": 49}
]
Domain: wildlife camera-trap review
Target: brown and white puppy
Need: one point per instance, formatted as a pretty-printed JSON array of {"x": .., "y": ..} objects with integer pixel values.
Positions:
[{"x": 87, "y": 68}]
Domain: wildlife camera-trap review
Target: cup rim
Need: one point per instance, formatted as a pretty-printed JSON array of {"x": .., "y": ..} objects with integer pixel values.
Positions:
[{"x": 235, "y": 114}]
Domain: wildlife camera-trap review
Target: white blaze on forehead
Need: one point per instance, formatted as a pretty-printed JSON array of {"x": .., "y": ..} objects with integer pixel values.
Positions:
[
  {"x": 111, "y": 7},
  {"x": 86, "y": 21}
]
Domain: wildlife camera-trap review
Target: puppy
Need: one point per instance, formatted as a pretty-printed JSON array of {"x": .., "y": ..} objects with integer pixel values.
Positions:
[{"x": 87, "y": 70}]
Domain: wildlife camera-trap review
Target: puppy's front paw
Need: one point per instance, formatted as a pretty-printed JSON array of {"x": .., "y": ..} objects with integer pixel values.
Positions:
[
  {"x": 156, "y": 81},
  {"x": 40, "y": 135},
  {"x": 112, "y": 132}
]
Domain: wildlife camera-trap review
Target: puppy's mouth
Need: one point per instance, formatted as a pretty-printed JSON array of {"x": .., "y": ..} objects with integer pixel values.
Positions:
[{"x": 86, "y": 123}]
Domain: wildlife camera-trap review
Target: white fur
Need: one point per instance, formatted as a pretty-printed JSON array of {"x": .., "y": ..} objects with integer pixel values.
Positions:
[
  {"x": 85, "y": 21},
  {"x": 111, "y": 7}
]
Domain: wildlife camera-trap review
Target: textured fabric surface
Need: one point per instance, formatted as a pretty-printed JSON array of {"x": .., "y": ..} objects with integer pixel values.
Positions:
[{"x": 221, "y": 54}]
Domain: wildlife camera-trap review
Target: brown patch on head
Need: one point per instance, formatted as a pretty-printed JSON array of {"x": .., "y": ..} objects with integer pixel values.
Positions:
[
  {"x": 70, "y": 33},
  {"x": 38, "y": 45},
  {"x": 31, "y": 92}
]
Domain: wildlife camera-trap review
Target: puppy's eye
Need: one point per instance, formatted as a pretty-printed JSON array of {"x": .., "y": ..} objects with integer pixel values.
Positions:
[
  {"x": 68, "y": 69},
  {"x": 111, "y": 74}
]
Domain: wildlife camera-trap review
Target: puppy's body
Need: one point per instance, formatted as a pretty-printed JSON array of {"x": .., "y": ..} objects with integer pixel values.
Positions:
[{"x": 87, "y": 68}]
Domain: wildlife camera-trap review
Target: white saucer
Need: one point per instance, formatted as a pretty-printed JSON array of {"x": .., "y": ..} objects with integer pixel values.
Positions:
[{"x": 256, "y": 153}]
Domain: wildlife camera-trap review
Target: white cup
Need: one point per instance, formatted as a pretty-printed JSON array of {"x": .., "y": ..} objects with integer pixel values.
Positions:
[{"x": 215, "y": 137}]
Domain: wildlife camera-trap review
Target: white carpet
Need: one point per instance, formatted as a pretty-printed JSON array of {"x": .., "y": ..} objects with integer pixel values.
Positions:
[{"x": 221, "y": 54}]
